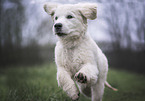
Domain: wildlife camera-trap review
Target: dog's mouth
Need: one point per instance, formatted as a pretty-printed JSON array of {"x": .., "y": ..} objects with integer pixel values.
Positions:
[{"x": 61, "y": 34}]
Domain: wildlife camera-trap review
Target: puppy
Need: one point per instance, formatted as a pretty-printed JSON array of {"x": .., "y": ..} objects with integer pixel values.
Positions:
[{"x": 78, "y": 58}]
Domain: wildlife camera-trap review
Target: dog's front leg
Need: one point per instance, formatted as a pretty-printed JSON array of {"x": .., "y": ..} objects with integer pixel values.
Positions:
[
  {"x": 88, "y": 74},
  {"x": 68, "y": 85}
]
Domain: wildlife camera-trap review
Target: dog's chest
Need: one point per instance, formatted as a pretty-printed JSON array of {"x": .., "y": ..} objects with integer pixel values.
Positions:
[{"x": 71, "y": 60}]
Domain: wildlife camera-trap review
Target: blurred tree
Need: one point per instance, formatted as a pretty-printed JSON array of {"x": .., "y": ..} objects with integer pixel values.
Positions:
[
  {"x": 140, "y": 24},
  {"x": 126, "y": 24},
  {"x": 12, "y": 12},
  {"x": 12, "y": 18}
]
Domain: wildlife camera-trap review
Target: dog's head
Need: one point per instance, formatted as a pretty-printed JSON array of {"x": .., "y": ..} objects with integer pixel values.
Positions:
[{"x": 71, "y": 19}]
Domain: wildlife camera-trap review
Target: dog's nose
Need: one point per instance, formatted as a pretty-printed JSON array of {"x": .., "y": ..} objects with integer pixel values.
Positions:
[{"x": 58, "y": 25}]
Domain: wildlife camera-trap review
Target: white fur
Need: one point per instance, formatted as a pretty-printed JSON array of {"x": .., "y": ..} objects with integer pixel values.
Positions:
[{"x": 76, "y": 52}]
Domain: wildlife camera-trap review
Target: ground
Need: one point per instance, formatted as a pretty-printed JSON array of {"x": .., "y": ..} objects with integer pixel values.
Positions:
[{"x": 38, "y": 83}]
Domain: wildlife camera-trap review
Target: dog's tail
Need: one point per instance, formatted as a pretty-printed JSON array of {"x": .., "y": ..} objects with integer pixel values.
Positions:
[{"x": 109, "y": 86}]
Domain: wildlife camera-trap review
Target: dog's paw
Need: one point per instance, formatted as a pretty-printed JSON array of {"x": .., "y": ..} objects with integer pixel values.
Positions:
[
  {"x": 76, "y": 97},
  {"x": 80, "y": 77}
]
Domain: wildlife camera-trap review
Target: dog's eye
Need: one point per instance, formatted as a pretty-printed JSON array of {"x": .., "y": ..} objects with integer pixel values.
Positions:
[
  {"x": 56, "y": 18},
  {"x": 69, "y": 17}
]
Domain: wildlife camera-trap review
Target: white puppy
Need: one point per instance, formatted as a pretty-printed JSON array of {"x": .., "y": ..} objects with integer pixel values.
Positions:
[{"x": 77, "y": 56}]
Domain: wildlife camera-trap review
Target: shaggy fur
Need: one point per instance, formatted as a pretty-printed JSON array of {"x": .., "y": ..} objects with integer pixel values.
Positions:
[{"x": 77, "y": 56}]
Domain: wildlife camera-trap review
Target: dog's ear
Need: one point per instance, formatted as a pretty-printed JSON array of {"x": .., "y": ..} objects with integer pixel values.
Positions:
[
  {"x": 50, "y": 8},
  {"x": 88, "y": 10}
]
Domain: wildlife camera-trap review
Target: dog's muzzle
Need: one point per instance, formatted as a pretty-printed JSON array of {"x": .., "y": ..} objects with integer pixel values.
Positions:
[{"x": 58, "y": 29}]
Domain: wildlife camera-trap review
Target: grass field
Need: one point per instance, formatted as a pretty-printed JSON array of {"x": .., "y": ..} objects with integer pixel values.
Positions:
[{"x": 38, "y": 83}]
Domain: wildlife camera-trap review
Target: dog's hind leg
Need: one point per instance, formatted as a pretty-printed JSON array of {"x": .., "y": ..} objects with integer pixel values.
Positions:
[
  {"x": 84, "y": 89},
  {"x": 98, "y": 90}
]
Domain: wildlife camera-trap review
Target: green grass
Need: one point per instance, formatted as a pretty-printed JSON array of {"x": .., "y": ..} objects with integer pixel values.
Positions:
[{"x": 38, "y": 83}]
